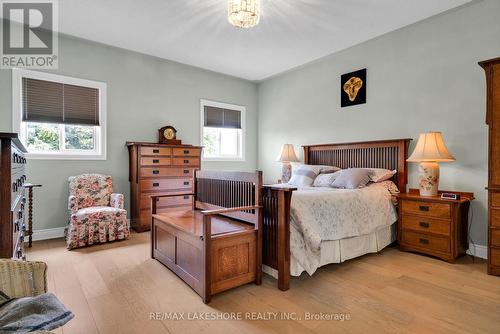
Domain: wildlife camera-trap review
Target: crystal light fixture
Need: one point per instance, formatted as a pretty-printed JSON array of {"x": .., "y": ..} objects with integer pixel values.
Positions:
[{"x": 243, "y": 13}]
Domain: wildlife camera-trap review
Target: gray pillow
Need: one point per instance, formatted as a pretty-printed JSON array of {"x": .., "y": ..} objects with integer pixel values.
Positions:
[
  {"x": 352, "y": 178},
  {"x": 326, "y": 180}
]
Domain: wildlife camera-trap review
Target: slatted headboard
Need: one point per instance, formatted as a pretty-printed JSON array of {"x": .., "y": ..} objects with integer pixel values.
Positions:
[{"x": 390, "y": 154}]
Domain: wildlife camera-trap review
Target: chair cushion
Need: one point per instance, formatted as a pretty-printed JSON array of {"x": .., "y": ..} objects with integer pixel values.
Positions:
[
  {"x": 102, "y": 210},
  {"x": 91, "y": 189}
]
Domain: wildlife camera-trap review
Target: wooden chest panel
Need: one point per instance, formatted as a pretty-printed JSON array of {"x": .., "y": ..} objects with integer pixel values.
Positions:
[
  {"x": 155, "y": 161},
  {"x": 190, "y": 152},
  {"x": 495, "y": 237},
  {"x": 156, "y": 151},
  {"x": 494, "y": 154},
  {"x": 166, "y": 184},
  {"x": 495, "y": 256},
  {"x": 495, "y": 218},
  {"x": 426, "y": 241},
  {"x": 430, "y": 209},
  {"x": 495, "y": 199},
  {"x": 430, "y": 225}
]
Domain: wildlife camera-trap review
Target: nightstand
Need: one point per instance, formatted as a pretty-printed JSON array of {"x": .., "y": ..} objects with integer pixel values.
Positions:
[{"x": 434, "y": 226}]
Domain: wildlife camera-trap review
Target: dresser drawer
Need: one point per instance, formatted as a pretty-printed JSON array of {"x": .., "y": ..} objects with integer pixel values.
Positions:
[
  {"x": 186, "y": 161},
  {"x": 494, "y": 237},
  {"x": 495, "y": 256},
  {"x": 495, "y": 199},
  {"x": 166, "y": 184},
  {"x": 430, "y": 209},
  {"x": 148, "y": 150},
  {"x": 189, "y": 152},
  {"x": 155, "y": 161},
  {"x": 422, "y": 224},
  {"x": 166, "y": 201},
  {"x": 165, "y": 171},
  {"x": 425, "y": 241},
  {"x": 495, "y": 217}
]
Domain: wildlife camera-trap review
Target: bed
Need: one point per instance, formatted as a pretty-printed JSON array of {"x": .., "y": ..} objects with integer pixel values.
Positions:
[{"x": 309, "y": 227}]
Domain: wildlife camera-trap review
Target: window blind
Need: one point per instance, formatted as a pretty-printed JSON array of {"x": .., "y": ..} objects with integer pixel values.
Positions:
[
  {"x": 222, "y": 118},
  {"x": 55, "y": 102}
]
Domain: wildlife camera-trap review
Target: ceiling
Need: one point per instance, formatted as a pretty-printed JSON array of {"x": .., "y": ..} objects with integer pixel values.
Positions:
[{"x": 196, "y": 32}]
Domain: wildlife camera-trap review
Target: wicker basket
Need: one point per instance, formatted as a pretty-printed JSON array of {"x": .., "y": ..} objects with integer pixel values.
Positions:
[{"x": 22, "y": 278}]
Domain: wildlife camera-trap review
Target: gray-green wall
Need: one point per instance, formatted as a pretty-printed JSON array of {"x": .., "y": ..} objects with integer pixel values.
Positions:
[
  {"x": 144, "y": 94},
  {"x": 420, "y": 78}
]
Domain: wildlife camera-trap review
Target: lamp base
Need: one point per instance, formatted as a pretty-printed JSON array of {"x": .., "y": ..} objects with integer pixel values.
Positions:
[
  {"x": 428, "y": 178},
  {"x": 286, "y": 172}
]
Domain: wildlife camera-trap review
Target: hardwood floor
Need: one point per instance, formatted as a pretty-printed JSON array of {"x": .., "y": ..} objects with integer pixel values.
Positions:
[{"x": 113, "y": 288}]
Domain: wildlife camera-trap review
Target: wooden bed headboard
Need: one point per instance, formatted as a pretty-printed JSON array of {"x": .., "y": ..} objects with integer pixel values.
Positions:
[{"x": 389, "y": 154}]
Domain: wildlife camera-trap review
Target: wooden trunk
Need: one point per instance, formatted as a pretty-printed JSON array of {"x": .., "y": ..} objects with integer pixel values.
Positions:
[
  {"x": 156, "y": 169},
  {"x": 492, "y": 69}
]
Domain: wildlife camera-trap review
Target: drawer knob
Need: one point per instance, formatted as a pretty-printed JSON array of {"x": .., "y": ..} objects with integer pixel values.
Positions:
[
  {"x": 186, "y": 183},
  {"x": 423, "y": 208},
  {"x": 186, "y": 161},
  {"x": 186, "y": 151},
  {"x": 156, "y": 171},
  {"x": 156, "y": 161},
  {"x": 186, "y": 171},
  {"x": 156, "y": 151},
  {"x": 424, "y": 224},
  {"x": 156, "y": 184},
  {"x": 186, "y": 196},
  {"x": 424, "y": 241}
]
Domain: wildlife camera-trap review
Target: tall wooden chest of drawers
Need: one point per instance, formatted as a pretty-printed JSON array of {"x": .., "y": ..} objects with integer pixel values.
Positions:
[
  {"x": 159, "y": 169},
  {"x": 492, "y": 69},
  {"x": 12, "y": 196}
]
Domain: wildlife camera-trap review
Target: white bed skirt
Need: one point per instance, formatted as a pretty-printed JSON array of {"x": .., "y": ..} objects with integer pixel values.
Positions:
[{"x": 337, "y": 251}]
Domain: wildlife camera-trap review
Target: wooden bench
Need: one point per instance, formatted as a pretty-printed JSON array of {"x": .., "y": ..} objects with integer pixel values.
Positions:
[{"x": 217, "y": 244}]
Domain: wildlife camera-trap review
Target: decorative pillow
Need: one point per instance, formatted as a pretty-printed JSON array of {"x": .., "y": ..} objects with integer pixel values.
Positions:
[
  {"x": 352, "y": 178},
  {"x": 323, "y": 169},
  {"x": 326, "y": 180},
  {"x": 303, "y": 176},
  {"x": 380, "y": 174}
]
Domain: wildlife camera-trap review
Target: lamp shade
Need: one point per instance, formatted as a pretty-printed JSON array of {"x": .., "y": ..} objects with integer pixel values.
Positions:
[
  {"x": 287, "y": 154},
  {"x": 431, "y": 148}
]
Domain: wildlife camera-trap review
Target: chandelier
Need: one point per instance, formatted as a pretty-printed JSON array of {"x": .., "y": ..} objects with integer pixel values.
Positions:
[{"x": 243, "y": 13}]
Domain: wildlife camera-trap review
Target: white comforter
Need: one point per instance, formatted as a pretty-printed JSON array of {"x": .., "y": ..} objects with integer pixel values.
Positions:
[{"x": 320, "y": 214}]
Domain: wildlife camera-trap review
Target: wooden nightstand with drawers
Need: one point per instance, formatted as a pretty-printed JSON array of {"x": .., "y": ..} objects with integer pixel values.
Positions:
[{"x": 434, "y": 226}]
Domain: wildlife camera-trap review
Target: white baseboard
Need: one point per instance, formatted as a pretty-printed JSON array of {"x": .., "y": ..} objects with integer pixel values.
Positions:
[
  {"x": 50, "y": 233},
  {"x": 478, "y": 251}
]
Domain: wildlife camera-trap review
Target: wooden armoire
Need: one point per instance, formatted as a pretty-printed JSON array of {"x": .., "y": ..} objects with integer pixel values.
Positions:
[
  {"x": 492, "y": 68},
  {"x": 160, "y": 169}
]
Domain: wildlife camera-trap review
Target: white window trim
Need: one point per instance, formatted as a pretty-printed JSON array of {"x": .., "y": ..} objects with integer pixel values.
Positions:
[
  {"x": 242, "y": 109},
  {"x": 18, "y": 74}
]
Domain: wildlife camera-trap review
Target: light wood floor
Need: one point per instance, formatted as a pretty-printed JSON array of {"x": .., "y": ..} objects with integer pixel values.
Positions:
[{"x": 112, "y": 288}]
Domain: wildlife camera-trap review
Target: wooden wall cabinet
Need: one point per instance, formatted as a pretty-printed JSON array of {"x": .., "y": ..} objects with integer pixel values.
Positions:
[
  {"x": 12, "y": 196},
  {"x": 492, "y": 69},
  {"x": 160, "y": 169}
]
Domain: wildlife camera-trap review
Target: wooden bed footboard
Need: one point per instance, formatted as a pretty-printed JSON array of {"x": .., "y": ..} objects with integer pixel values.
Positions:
[{"x": 276, "y": 232}]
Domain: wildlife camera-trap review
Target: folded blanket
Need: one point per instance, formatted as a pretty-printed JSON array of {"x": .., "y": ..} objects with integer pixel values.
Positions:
[{"x": 29, "y": 314}]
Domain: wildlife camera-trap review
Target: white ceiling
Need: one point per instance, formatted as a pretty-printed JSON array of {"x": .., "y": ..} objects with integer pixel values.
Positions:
[{"x": 196, "y": 32}]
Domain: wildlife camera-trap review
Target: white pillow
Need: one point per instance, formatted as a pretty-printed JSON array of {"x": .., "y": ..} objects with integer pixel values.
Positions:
[
  {"x": 326, "y": 180},
  {"x": 380, "y": 174},
  {"x": 303, "y": 176}
]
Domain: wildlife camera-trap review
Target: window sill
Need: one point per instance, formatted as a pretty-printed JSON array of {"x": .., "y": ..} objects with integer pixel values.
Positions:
[
  {"x": 54, "y": 156},
  {"x": 224, "y": 159}
]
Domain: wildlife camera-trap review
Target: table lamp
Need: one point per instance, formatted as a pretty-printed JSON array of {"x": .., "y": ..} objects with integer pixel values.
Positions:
[
  {"x": 287, "y": 155},
  {"x": 430, "y": 150}
]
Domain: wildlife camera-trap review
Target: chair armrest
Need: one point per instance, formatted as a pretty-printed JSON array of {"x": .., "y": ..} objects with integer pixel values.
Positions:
[
  {"x": 22, "y": 278},
  {"x": 72, "y": 204},
  {"x": 227, "y": 210},
  {"x": 117, "y": 201}
]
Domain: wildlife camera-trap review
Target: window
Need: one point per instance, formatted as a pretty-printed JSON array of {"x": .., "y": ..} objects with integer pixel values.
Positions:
[
  {"x": 222, "y": 131},
  {"x": 59, "y": 117}
]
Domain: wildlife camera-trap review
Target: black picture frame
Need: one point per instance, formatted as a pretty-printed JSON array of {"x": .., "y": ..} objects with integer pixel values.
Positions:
[{"x": 351, "y": 97}]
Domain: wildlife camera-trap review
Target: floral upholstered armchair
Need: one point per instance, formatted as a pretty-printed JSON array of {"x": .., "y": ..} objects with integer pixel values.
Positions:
[{"x": 96, "y": 213}]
